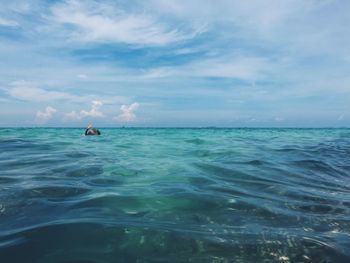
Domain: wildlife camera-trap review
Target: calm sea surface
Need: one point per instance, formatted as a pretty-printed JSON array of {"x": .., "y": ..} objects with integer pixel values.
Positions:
[{"x": 175, "y": 195}]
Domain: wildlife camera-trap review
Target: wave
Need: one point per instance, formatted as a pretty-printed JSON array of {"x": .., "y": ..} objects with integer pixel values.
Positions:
[{"x": 199, "y": 195}]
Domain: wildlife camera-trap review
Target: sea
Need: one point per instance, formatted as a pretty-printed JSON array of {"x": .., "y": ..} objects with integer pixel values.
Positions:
[{"x": 174, "y": 195}]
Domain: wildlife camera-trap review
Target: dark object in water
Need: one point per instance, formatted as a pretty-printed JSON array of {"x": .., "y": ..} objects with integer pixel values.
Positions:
[{"x": 92, "y": 131}]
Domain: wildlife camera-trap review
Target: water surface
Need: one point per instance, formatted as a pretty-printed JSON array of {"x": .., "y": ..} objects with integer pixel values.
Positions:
[{"x": 175, "y": 195}]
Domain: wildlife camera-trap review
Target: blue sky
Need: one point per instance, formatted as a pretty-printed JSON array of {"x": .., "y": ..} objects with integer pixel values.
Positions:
[{"x": 175, "y": 63}]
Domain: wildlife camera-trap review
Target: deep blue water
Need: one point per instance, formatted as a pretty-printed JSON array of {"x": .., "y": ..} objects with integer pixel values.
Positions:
[{"x": 175, "y": 195}]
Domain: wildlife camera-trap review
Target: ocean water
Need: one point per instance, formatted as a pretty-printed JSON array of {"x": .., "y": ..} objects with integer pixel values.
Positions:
[{"x": 175, "y": 195}]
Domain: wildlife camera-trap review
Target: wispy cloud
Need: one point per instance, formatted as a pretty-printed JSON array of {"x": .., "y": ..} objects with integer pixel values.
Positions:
[
  {"x": 340, "y": 117},
  {"x": 128, "y": 112},
  {"x": 92, "y": 21},
  {"x": 28, "y": 91},
  {"x": 8, "y": 22},
  {"x": 82, "y": 76},
  {"x": 279, "y": 119},
  {"x": 238, "y": 67},
  {"x": 17, "y": 6},
  {"x": 44, "y": 116}
]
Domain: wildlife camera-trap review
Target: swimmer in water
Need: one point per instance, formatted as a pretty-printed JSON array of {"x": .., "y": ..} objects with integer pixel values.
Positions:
[{"x": 90, "y": 130}]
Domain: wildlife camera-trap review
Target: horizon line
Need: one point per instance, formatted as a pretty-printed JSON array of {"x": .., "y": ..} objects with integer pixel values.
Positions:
[{"x": 176, "y": 127}]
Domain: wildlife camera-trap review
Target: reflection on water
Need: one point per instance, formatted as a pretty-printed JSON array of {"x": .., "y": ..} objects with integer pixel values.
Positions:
[{"x": 175, "y": 195}]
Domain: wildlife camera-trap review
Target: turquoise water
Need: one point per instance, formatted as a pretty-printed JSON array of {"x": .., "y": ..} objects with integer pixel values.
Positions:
[{"x": 175, "y": 195}]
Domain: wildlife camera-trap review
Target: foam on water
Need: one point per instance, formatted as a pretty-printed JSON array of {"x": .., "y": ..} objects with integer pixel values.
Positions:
[{"x": 175, "y": 195}]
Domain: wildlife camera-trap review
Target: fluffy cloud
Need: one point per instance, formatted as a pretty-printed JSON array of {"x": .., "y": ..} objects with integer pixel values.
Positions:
[
  {"x": 94, "y": 112},
  {"x": 92, "y": 21},
  {"x": 44, "y": 116},
  {"x": 73, "y": 115},
  {"x": 128, "y": 112}
]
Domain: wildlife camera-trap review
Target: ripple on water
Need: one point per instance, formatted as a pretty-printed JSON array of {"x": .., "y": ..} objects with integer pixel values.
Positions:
[
  {"x": 92, "y": 170},
  {"x": 90, "y": 242},
  {"x": 321, "y": 209},
  {"x": 8, "y": 180},
  {"x": 196, "y": 141},
  {"x": 11, "y": 145},
  {"x": 104, "y": 182},
  {"x": 178, "y": 195},
  {"x": 318, "y": 166},
  {"x": 257, "y": 162},
  {"x": 67, "y": 242},
  {"x": 54, "y": 192},
  {"x": 111, "y": 201},
  {"x": 78, "y": 155}
]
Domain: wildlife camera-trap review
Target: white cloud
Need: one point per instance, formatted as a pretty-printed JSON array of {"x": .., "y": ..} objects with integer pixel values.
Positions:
[
  {"x": 241, "y": 67},
  {"x": 245, "y": 68},
  {"x": 297, "y": 51},
  {"x": 17, "y": 6},
  {"x": 94, "y": 112},
  {"x": 27, "y": 91},
  {"x": 73, "y": 115},
  {"x": 159, "y": 73},
  {"x": 255, "y": 15},
  {"x": 8, "y": 22},
  {"x": 44, "y": 116},
  {"x": 105, "y": 22},
  {"x": 82, "y": 76},
  {"x": 294, "y": 26},
  {"x": 128, "y": 112}
]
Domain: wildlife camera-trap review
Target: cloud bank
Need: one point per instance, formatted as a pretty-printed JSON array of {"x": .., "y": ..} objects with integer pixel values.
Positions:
[{"x": 197, "y": 61}]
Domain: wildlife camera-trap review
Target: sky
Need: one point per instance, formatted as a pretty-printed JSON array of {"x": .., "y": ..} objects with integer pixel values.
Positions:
[{"x": 175, "y": 63}]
